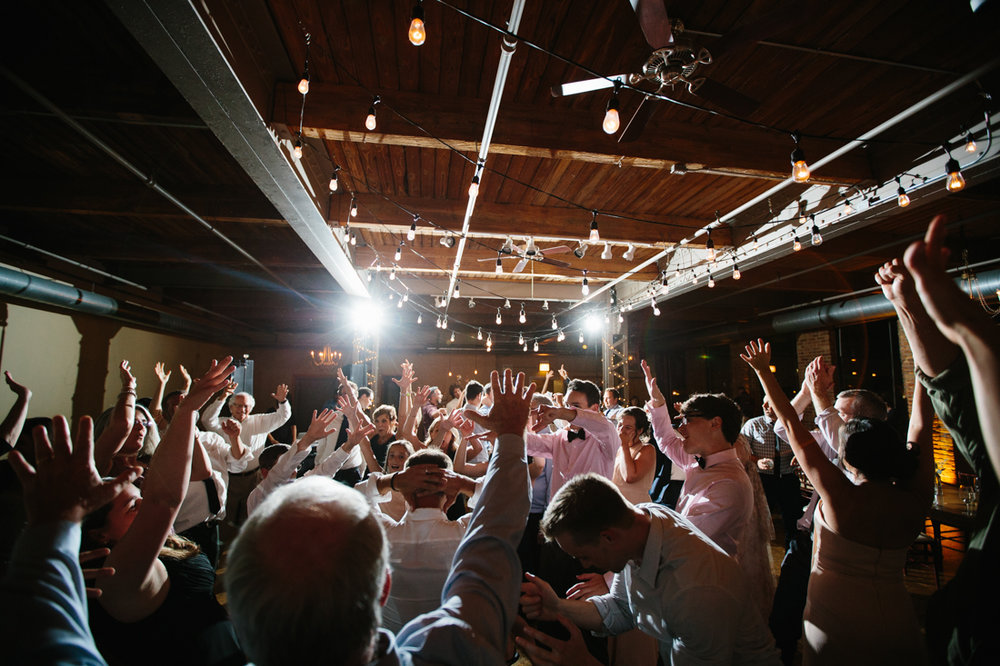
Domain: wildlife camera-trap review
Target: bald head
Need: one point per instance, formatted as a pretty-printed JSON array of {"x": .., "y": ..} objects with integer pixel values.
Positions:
[{"x": 305, "y": 577}]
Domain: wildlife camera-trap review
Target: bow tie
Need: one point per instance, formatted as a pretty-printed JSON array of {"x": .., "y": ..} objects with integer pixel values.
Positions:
[
  {"x": 580, "y": 434},
  {"x": 700, "y": 461}
]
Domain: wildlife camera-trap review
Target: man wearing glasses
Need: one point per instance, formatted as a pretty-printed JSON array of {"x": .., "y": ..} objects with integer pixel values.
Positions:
[{"x": 716, "y": 497}]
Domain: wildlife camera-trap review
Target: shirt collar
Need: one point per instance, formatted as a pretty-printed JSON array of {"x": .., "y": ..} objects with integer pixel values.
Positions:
[
  {"x": 721, "y": 456},
  {"x": 424, "y": 513}
]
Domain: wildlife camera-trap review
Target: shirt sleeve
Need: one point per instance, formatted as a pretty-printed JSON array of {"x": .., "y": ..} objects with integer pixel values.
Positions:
[
  {"x": 261, "y": 424},
  {"x": 210, "y": 419},
  {"x": 667, "y": 438},
  {"x": 828, "y": 424},
  {"x": 719, "y": 511},
  {"x": 541, "y": 444},
  {"x": 44, "y": 614},
  {"x": 481, "y": 592},
  {"x": 614, "y": 608},
  {"x": 600, "y": 428},
  {"x": 332, "y": 464}
]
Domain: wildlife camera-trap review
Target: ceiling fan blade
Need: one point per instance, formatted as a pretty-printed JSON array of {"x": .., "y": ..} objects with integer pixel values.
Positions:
[
  {"x": 556, "y": 249},
  {"x": 726, "y": 98},
  {"x": 554, "y": 262},
  {"x": 589, "y": 85},
  {"x": 647, "y": 107},
  {"x": 787, "y": 15},
  {"x": 520, "y": 265},
  {"x": 654, "y": 22}
]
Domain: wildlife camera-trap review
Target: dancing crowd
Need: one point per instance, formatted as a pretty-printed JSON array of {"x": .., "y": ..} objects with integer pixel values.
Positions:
[{"x": 510, "y": 523}]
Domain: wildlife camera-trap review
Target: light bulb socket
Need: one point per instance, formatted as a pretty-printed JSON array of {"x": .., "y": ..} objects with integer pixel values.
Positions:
[
  {"x": 613, "y": 101},
  {"x": 798, "y": 155},
  {"x": 952, "y": 166},
  {"x": 418, "y": 12}
]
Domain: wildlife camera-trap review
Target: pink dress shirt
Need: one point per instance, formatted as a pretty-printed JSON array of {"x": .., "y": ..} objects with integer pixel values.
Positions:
[
  {"x": 594, "y": 453},
  {"x": 718, "y": 499}
]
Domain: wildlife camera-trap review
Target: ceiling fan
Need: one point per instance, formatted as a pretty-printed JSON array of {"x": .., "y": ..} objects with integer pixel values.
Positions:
[
  {"x": 530, "y": 252},
  {"x": 676, "y": 61}
]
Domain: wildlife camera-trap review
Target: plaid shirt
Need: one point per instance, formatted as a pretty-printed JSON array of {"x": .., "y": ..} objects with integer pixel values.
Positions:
[{"x": 764, "y": 443}]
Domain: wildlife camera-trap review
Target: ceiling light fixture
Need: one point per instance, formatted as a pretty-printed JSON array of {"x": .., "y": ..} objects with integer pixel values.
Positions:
[
  {"x": 606, "y": 254},
  {"x": 817, "y": 239},
  {"x": 594, "y": 234},
  {"x": 956, "y": 181},
  {"x": 297, "y": 147},
  {"x": 629, "y": 254},
  {"x": 370, "y": 121},
  {"x": 417, "y": 33},
  {"x": 334, "y": 179},
  {"x": 970, "y": 143},
  {"x": 736, "y": 272},
  {"x": 499, "y": 317},
  {"x": 902, "y": 198},
  {"x": 611, "y": 119},
  {"x": 304, "y": 82},
  {"x": 710, "y": 244},
  {"x": 800, "y": 170},
  {"x": 796, "y": 243},
  {"x": 474, "y": 187},
  {"x": 412, "y": 233}
]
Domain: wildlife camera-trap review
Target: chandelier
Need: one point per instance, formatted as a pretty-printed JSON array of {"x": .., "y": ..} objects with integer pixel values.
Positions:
[{"x": 325, "y": 357}]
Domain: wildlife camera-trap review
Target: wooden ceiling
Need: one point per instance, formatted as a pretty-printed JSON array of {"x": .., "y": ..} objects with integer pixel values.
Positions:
[{"x": 86, "y": 94}]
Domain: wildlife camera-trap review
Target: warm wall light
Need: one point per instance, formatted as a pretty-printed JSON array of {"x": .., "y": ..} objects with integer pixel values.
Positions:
[{"x": 543, "y": 367}]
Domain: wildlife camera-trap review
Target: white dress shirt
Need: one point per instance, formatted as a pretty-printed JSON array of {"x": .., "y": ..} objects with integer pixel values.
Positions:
[
  {"x": 595, "y": 453},
  {"x": 253, "y": 430},
  {"x": 690, "y": 596},
  {"x": 282, "y": 473},
  {"x": 718, "y": 499},
  {"x": 195, "y": 508}
]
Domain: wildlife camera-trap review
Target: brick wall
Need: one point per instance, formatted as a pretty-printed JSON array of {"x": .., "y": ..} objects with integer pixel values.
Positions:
[{"x": 808, "y": 346}]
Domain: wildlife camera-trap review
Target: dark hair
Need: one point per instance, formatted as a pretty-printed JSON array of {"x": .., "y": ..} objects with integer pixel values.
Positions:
[
  {"x": 876, "y": 450},
  {"x": 429, "y": 457},
  {"x": 587, "y": 505},
  {"x": 172, "y": 394},
  {"x": 384, "y": 409},
  {"x": 269, "y": 456},
  {"x": 641, "y": 420},
  {"x": 589, "y": 389},
  {"x": 617, "y": 395},
  {"x": 711, "y": 405},
  {"x": 473, "y": 390},
  {"x": 364, "y": 390}
]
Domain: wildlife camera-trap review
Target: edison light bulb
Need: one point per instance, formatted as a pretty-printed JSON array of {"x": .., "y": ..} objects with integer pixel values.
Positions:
[
  {"x": 412, "y": 233},
  {"x": 656, "y": 310},
  {"x": 499, "y": 318},
  {"x": 611, "y": 120},
  {"x": 499, "y": 266},
  {"x": 970, "y": 143},
  {"x": 586, "y": 287},
  {"x": 370, "y": 120},
  {"x": 797, "y": 245},
  {"x": 711, "y": 282},
  {"x": 817, "y": 238},
  {"x": 479, "y": 334},
  {"x": 333, "y": 183},
  {"x": 736, "y": 272},
  {"x": 711, "y": 252},
  {"x": 955, "y": 179},
  {"x": 800, "y": 171},
  {"x": 417, "y": 34},
  {"x": 297, "y": 150},
  {"x": 535, "y": 346},
  {"x": 304, "y": 85},
  {"x": 354, "y": 209},
  {"x": 903, "y": 198},
  {"x": 399, "y": 254},
  {"x": 520, "y": 338},
  {"x": 474, "y": 187}
]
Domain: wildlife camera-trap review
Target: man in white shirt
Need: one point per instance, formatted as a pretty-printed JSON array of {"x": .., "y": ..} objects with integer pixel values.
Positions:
[
  {"x": 254, "y": 429},
  {"x": 612, "y": 406},
  {"x": 670, "y": 582}
]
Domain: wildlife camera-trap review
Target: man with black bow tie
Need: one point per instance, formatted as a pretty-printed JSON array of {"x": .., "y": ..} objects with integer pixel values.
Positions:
[{"x": 717, "y": 497}]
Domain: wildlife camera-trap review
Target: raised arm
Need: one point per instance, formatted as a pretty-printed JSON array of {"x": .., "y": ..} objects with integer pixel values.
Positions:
[
  {"x": 823, "y": 474},
  {"x": 135, "y": 590},
  {"x": 10, "y": 429},
  {"x": 637, "y": 466},
  {"x": 186, "y": 388},
  {"x": 545, "y": 386},
  {"x": 232, "y": 430},
  {"x": 210, "y": 415},
  {"x": 156, "y": 406},
  {"x": 120, "y": 424}
]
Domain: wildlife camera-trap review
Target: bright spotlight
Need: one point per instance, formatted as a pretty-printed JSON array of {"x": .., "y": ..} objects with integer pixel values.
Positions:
[
  {"x": 367, "y": 315},
  {"x": 592, "y": 324}
]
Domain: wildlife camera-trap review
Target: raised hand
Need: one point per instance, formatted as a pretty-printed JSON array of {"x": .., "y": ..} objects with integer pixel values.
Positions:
[
  {"x": 281, "y": 393},
  {"x": 897, "y": 284},
  {"x": 229, "y": 389},
  {"x": 419, "y": 477},
  {"x": 19, "y": 389},
  {"x": 355, "y": 437},
  {"x": 187, "y": 379},
  {"x": 210, "y": 383},
  {"x": 758, "y": 355},
  {"x": 64, "y": 483},
  {"x": 562, "y": 372},
  {"x": 511, "y": 405},
  {"x": 128, "y": 381},
  {"x": 231, "y": 427},
  {"x": 590, "y": 585},
  {"x": 655, "y": 395},
  {"x": 161, "y": 373},
  {"x": 321, "y": 423}
]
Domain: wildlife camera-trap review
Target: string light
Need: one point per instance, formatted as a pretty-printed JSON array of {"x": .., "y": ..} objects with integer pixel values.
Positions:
[
  {"x": 297, "y": 148},
  {"x": 629, "y": 254},
  {"x": 711, "y": 282},
  {"x": 611, "y": 119},
  {"x": 555, "y": 324},
  {"x": 417, "y": 32},
  {"x": 399, "y": 303},
  {"x": 902, "y": 198},
  {"x": 956, "y": 181},
  {"x": 489, "y": 341},
  {"x": 800, "y": 170},
  {"x": 334, "y": 179},
  {"x": 399, "y": 252},
  {"x": 520, "y": 338},
  {"x": 796, "y": 244},
  {"x": 522, "y": 317},
  {"x": 848, "y": 209},
  {"x": 472, "y": 302},
  {"x": 499, "y": 318},
  {"x": 444, "y": 322},
  {"x": 560, "y": 336},
  {"x": 525, "y": 347},
  {"x": 499, "y": 268},
  {"x": 817, "y": 239},
  {"x": 710, "y": 244},
  {"x": 581, "y": 337},
  {"x": 594, "y": 234},
  {"x": 370, "y": 121},
  {"x": 606, "y": 254},
  {"x": 585, "y": 288},
  {"x": 438, "y": 323},
  {"x": 545, "y": 305},
  {"x": 479, "y": 334},
  {"x": 304, "y": 82},
  {"x": 736, "y": 272},
  {"x": 457, "y": 293},
  {"x": 474, "y": 187},
  {"x": 506, "y": 304},
  {"x": 406, "y": 296},
  {"x": 656, "y": 310},
  {"x": 412, "y": 233},
  {"x": 392, "y": 273},
  {"x": 534, "y": 347},
  {"x": 452, "y": 338},
  {"x": 970, "y": 143},
  {"x": 621, "y": 317},
  {"x": 694, "y": 277},
  {"x": 420, "y": 318},
  {"x": 756, "y": 243}
]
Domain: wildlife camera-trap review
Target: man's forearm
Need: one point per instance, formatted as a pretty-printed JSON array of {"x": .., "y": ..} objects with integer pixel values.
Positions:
[{"x": 583, "y": 614}]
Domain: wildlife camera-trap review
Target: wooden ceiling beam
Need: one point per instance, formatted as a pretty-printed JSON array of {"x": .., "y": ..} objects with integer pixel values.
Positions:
[{"x": 337, "y": 112}]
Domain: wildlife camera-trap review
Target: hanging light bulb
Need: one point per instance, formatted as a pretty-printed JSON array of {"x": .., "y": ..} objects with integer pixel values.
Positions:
[
  {"x": 506, "y": 304},
  {"x": 848, "y": 209},
  {"x": 499, "y": 318},
  {"x": 499, "y": 269},
  {"x": 560, "y": 336},
  {"x": 606, "y": 254},
  {"x": 621, "y": 317},
  {"x": 452, "y": 338},
  {"x": 399, "y": 304},
  {"x": 710, "y": 246},
  {"x": 392, "y": 273},
  {"x": 607, "y": 317},
  {"x": 520, "y": 338},
  {"x": 902, "y": 198},
  {"x": 711, "y": 282},
  {"x": 472, "y": 302},
  {"x": 354, "y": 239},
  {"x": 444, "y": 322},
  {"x": 756, "y": 243},
  {"x": 629, "y": 254},
  {"x": 611, "y": 120},
  {"x": 354, "y": 207},
  {"x": 694, "y": 278},
  {"x": 479, "y": 334},
  {"x": 525, "y": 347},
  {"x": 489, "y": 339},
  {"x": 800, "y": 170},
  {"x": 545, "y": 305},
  {"x": 555, "y": 324},
  {"x": 535, "y": 346},
  {"x": 594, "y": 234},
  {"x": 370, "y": 121},
  {"x": 304, "y": 82},
  {"x": 656, "y": 310},
  {"x": 399, "y": 252},
  {"x": 417, "y": 33},
  {"x": 457, "y": 293},
  {"x": 736, "y": 272},
  {"x": 796, "y": 244},
  {"x": 412, "y": 233},
  {"x": 334, "y": 180},
  {"x": 522, "y": 317},
  {"x": 817, "y": 239},
  {"x": 970, "y": 143},
  {"x": 581, "y": 337},
  {"x": 369, "y": 276},
  {"x": 585, "y": 288},
  {"x": 474, "y": 187},
  {"x": 437, "y": 324},
  {"x": 406, "y": 296},
  {"x": 956, "y": 181},
  {"x": 297, "y": 148}
]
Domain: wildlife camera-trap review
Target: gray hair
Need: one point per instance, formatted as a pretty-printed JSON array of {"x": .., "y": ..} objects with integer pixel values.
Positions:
[
  {"x": 332, "y": 615},
  {"x": 868, "y": 405},
  {"x": 250, "y": 401}
]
